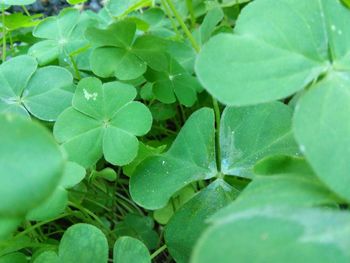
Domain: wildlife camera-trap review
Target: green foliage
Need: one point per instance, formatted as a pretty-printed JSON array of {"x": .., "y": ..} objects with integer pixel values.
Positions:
[{"x": 186, "y": 131}]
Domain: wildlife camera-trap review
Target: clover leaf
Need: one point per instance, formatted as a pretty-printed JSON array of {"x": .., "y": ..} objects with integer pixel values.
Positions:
[
  {"x": 276, "y": 234},
  {"x": 128, "y": 249},
  {"x": 119, "y": 54},
  {"x": 24, "y": 187},
  {"x": 104, "y": 120},
  {"x": 269, "y": 58},
  {"x": 61, "y": 34},
  {"x": 174, "y": 82},
  {"x": 80, "y": 243},
  {"x": 17, "y": 2},
  {"x": 247, "y": 135},
  {"x": 43, "y": 92}
]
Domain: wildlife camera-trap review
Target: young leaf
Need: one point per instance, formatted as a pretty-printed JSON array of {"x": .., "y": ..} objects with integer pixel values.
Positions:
[
  {"x": 119, "y": 54},
  {"x": 28, "y": 144},
  {"x": 271, "y": 58},
  {"x": 44, "y": 93},
  {"x": 174, "y": 83},
  {"x": 180, "y": 240},
  {"x": 321, "y": 128},
  {"x": 128, "y": 249},
  {"x": 104, "y": 120},
  {"x": 276, "y": 234}
]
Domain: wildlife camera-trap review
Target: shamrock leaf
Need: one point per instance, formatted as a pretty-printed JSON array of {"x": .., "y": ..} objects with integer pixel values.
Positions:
[
  {"x": 269, "y": 58},
  {"x": 276, "y": 234},
  {"x": 119, "y": 54},
  {"x": 174, "y": 82},
  {"x": 43, "y": 92},
  {"x": 104, "y": 120},
  {"x": 247, "y": 135},
  {"x": 62, "y": 36},
  {"x": 26, "y": 186},
  {"x": 80, "y": 243},
  {"x": 128, "y": 249}
]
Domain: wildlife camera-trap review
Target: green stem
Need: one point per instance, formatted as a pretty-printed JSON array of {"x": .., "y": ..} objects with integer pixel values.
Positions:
[
  {"x": 217, "y": 133},
  {"x": 3, "y": 35},
  {"x": 75, "y": 67},
  {"x": 158, "y": 251},
  {"x": 183, "y": 25},
  {"x": 88, "y": 212},
  {"x": 30, "y": 229},
  {"x": 25, "y": 10},
  {"x": 189, "y": 5},
  {"x": 168, "y": 12}
]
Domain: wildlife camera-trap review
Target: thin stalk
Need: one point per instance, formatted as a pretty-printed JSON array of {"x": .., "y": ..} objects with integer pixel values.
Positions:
[
  {"x": 158, "y": 251},
  {"x": 168, "y": 12},
  {"x": 189, "y": 4},
  {"x": 25, "y": 10},
  {"x": 183, "y": 25},
  {"x": 75, "y": 67},
  {"x": 3, "y": 34},
  {"x": 30, "y": 229},
  {"x": 217, "y": 133}
]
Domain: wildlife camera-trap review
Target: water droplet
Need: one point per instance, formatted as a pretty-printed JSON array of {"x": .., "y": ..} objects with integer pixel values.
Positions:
[
  {"x": 340, "y": 32},
  {"x": 302, "y": 148},
  {"x": 333, "y": 27},
  {"x": 163, "y": 162}
]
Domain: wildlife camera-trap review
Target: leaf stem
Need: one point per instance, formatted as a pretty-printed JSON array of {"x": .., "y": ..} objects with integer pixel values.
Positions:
[
  {"x": 183, "y": 25},
  {"x": 3, "y": 34},
  {"x": 158, "y": 251},
  {"x": 189, "y": 4},
  {"x": 217, "y": 133}
]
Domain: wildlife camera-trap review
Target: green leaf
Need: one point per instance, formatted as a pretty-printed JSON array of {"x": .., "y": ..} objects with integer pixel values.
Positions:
[
  {"x": 247, "y": 135},
  {"x": 180, "y": 240},
  {"x": 174, "y": 83},
  {"x": 80, "y": 243},
  {"x": 122, "y": 7},
  {"x": 321, "y": 128},
  {"x": 139, "y": 227},
  {"x": 250, "y": 133},
  {"x": 37, "y": 173},
  {"x": 75, "y": 2},
  {"x": 282, "y": 180},
  {"x": 276, "y": 234},
  {"x": 159, "y": 177},
  {"x": 16, "y": 257},
  {"x": 128, "y": 249},
  {"x": 269, "y": 58},
  {"x": 58, "y": 200},
  {"x": 61, "y": 35},
  {"x": 44, "y": 93},
  {"x": 122, "y": 55},
  {"x": 104, "y": 120},
  {"x": 17, "y": 2}
]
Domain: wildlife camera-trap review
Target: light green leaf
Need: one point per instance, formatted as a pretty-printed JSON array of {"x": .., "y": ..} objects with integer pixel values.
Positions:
[
  {"x": 321, "y": 128},
  {"x": 16, "y": 257},
  {"x": 174, "y": 83},
  {"x": 38, "y": 173},
  {"x": 128, "y": 249},
  {"x": 250, "y": 133},
  {"x": 105, "y": 120},
  {"x": 80, "y": 243},
  {"x": 159, "y": 177},
  {"x": 276, "y": 234},
  {"x": 123, "y": 55},
  {"x": 247, "y": 135},
  {"x": 44, "y": 93},
  {"x": 17, "y": 2},
  {"x": 180, "y": 240},
  {"x": 269, "y": 58},
  {"x": 75, "y": 2}
]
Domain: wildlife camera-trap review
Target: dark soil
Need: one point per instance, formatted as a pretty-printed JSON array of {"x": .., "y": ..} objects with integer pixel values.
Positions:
[{"x": 53, "y": 7}]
